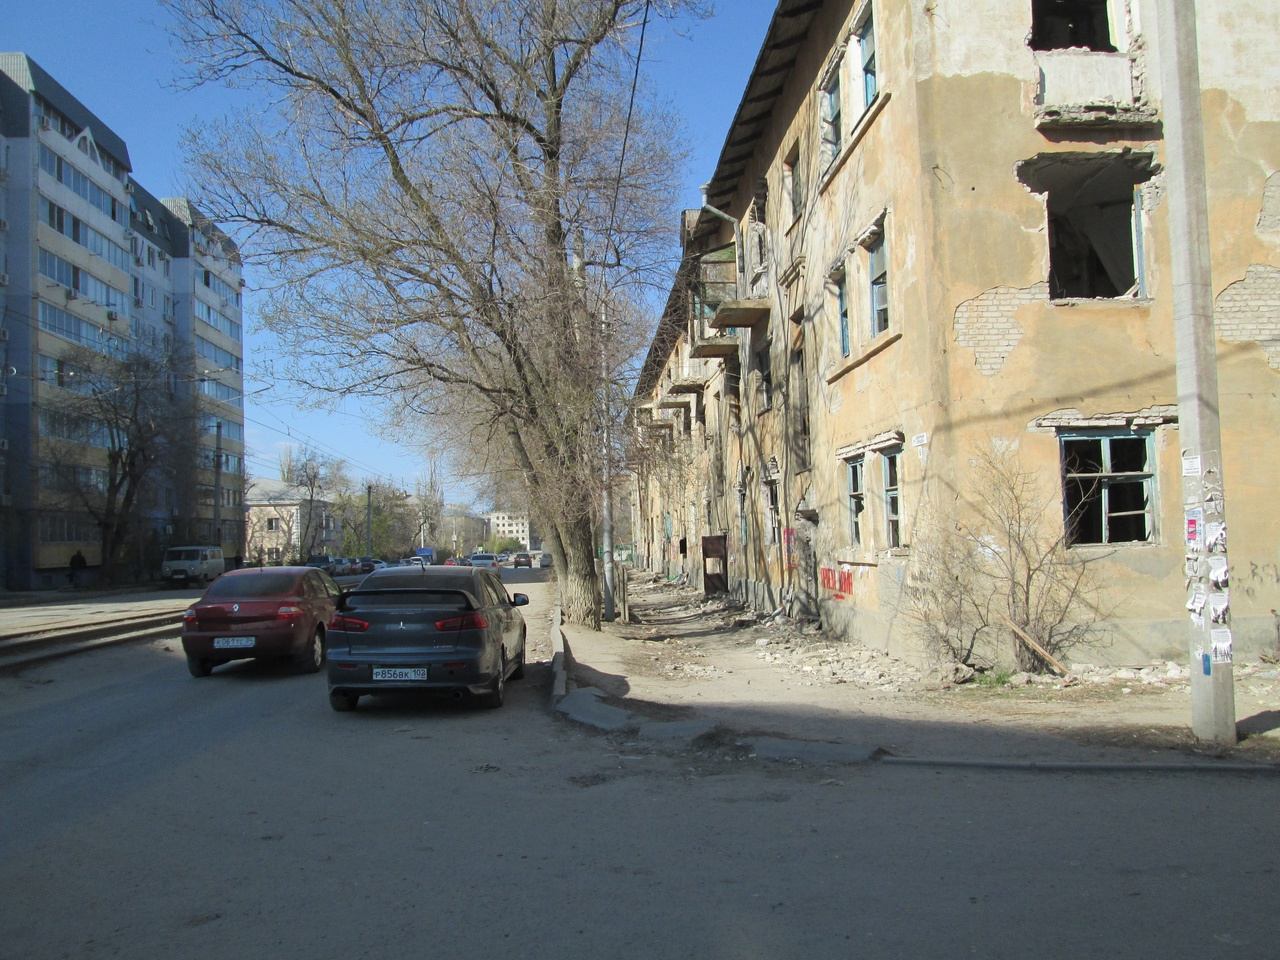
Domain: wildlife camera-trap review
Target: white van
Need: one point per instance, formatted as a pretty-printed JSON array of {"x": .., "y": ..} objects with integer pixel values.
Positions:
[{"x": 184, "y": 565}]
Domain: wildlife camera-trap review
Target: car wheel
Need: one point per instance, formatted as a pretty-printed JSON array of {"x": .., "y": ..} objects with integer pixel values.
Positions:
[
  {"x": 495, "y": 697},
  {"x": 199, "y": 667},
  {"x": 518, "y": 672},
  {"x": 343, "y": 702},
  {"x": 311, "y": 659}
]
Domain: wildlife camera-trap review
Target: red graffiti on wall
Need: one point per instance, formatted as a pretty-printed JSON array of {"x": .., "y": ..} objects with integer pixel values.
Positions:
[{"x": 836, "y": 581}]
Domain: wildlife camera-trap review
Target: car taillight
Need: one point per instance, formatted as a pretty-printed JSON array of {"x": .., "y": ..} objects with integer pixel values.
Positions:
[
  {"x": 188, "y": 616},
  {"x": 349, "y": 624},
  {"x": 468, "y": 621},
  {"x": 289, "y": 611}
]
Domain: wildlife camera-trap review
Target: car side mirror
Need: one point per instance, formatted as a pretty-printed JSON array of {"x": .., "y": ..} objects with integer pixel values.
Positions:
[{"x": 519, "y": 600}]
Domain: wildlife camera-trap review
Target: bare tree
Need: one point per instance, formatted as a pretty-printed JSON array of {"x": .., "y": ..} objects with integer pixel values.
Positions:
[
  {"x": 441, "y": 191},
  {"x": 117, "y": 424},
  {"x": 973, "y": 582}
]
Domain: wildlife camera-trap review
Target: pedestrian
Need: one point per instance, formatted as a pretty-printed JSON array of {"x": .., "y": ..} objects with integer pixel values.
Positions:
[{"x": 77, "y": 565}]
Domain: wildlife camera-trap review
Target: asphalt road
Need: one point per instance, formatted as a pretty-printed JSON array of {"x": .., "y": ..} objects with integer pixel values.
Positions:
[{"x": 147, "y": 814}]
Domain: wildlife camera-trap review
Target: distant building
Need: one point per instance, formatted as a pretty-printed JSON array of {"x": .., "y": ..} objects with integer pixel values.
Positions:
[
  {"x": 90, "y": 258},
  {"x": 509, "y": 526},
  {"x": 284, "y": 524}
]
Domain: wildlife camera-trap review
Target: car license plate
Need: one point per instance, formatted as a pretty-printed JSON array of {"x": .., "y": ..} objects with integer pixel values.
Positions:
[
  {"x": 399, "y": 673},
  {"x": 224, "y": 643}
]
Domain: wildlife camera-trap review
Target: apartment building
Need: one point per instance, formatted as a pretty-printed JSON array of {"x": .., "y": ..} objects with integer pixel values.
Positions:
[
  {"x": 285, "y": 523},
  {"x": 91, "y": 261},
  {"x": 513, "y": 526},
  {"x": 932, "y": 271}
]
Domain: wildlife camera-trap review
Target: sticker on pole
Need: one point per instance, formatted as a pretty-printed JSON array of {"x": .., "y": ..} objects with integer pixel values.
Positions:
[{"x": 1195, "y": 527}]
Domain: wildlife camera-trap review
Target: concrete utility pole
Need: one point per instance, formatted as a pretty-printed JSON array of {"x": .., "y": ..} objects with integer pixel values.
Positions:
[
  {"x": 368, "y": 520},
  {"x": 217, "y": 487},
  {"x": 1213, "y": 708},
  {"x": 606, "y": 499}
]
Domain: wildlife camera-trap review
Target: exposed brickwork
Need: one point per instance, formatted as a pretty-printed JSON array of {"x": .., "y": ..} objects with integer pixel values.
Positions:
[
  {"x": 1249, "y": 310},
  {"x": 986, "y": 324}
]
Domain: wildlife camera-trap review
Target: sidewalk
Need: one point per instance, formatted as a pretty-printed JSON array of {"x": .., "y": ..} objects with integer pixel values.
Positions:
[{"x": 719, "y": 678}]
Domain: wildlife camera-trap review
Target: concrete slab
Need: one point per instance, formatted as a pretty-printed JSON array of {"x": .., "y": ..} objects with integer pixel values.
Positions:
[
  {"x": 583, "y": 705},
  {"x": 813, "y": 751},
  {"x": 675, "y": 729}
]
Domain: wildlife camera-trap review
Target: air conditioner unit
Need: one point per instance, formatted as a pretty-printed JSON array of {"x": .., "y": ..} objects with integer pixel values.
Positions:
[
  {"x": 137, "y": 301},
  {"x": 113, "y": 316},
  {"x": 128, "y": 186},
  {"x": 46, "y": 123}
]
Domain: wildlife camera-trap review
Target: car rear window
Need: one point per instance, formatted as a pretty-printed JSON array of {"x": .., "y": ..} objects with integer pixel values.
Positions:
[
  {"x": 268, "y": 584},
  {"x": 453, "y": 599}
]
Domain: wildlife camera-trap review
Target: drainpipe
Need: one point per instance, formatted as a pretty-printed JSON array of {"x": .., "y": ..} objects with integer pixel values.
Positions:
[{"x": 737, "y": 239}]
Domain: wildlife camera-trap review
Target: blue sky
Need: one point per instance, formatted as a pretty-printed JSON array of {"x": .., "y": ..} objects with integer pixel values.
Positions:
[{"x": 116, "y": 58}]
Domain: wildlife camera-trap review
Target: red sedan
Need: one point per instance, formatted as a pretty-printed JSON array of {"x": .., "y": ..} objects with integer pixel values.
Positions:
[{"x": 269, "y": 612}]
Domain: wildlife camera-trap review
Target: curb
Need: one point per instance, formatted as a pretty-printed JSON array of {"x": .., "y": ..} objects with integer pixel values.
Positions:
[{"x": 559, "y": 670}]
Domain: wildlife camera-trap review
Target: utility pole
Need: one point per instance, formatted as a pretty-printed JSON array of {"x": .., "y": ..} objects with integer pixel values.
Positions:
[
  {"x": 217, "y": 486},
  {"x": 606, "y": 499},
  {"x": 368, "y": 520},
  {"x": 1213, "y": 708}
]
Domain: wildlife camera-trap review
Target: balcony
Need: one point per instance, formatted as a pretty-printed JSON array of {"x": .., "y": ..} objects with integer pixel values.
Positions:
[
  {"x": 739, "y": 313},
  {"x": 715, "y": 346},
  {"x": 687, "y": 378},
  {"x": 1084, "y": 88}
]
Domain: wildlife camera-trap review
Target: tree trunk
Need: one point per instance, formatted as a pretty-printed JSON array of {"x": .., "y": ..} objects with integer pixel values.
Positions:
[{"x": 579, "y": 584}]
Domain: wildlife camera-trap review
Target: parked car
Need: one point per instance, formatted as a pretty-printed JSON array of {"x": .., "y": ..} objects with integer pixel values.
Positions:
[
  {"x": 523, "y": 560},
  {"x": 370, "y": 564},
  {"x": 441, "y": 630},
  {"x": 458, "y": 562},
  {"x": 544, "y": 560},
  {"x": 504, "y": 556},
  {"x": 413, "y": 562},
  {"x": 488, "y": 561},
  {"x": 260, "y": 612},
  {"x": 185, "y": 565},
  {"x": 322, "y": 561}
]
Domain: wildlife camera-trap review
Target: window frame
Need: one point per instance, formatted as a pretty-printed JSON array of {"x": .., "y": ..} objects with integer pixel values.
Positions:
[
  {"x": 831, "y": 131},
  {"x": 840, "y": 280},
  {"x": 878, "y": 284},
  {"x": 856, "y": 492},
  {"x": 891, "y": 496},
  {"x": 865, "y": 31},
  {"x": 1107, "y": 478}
]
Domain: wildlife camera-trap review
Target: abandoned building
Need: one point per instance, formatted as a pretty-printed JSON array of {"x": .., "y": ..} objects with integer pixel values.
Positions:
[{"x": 927, "y": 303}]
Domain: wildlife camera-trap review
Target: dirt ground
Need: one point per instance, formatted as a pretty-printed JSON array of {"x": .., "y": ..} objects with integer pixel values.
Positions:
[{"x": 685, "y": 648}]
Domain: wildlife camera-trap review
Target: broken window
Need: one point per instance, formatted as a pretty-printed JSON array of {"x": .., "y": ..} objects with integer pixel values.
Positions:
[
  {"x": 764, "y": 374},
  {"x": 840, "y": 283},
  {"x": 832, "y": 133},
  {"x": 773, "y": 517},
  {"x": 798, "y": 401},
  {"x": 1095, "y": 223},
  {"x": 857, "y": 499},
  {"x": 1107, "y": 488},
  {"x": 1062, "y": 24},
  {"x": 892, "y": 500},
  {"x": 878, "y": 271}
]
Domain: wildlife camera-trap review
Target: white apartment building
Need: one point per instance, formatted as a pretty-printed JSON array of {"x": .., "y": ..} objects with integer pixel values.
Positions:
[
  {"x": 89, "y": 259},
  {"x": 509, "y": 525}
]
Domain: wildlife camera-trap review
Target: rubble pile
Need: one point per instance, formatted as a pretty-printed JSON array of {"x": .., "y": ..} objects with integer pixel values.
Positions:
[{"x": 803, "y": 650}]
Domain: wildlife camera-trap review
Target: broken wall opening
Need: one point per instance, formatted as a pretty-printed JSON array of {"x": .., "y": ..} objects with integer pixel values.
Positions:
[
  {"x": 1063, "y": 24},
  {"x": 1094, "y": 211}
]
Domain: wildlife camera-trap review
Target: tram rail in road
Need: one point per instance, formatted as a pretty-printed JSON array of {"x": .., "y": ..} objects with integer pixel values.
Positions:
[{"x": 23, "y": 648}]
